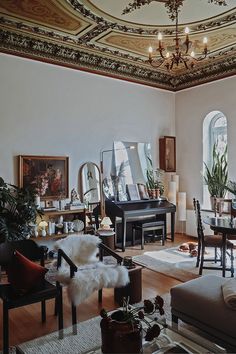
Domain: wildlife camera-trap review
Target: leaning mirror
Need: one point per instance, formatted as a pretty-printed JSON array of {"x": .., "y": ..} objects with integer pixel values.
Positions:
[
  {"x": 90, "y": 180},
  {"x": 130, "y": 162}
]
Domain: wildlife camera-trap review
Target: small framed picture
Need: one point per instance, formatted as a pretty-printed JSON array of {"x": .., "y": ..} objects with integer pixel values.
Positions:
[
  {"x": 133, "y": 192},
  {"x": 142, "y": 191}
]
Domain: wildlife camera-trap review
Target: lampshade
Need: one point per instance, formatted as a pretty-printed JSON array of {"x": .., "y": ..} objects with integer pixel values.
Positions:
[
  {"x": 172, "y": 192},
  {"x": 181, "y": 206},
  {"x": 175, "y": 178},
  {"x": 106, "y": 221},
  {"x": 43, "y": 224}
]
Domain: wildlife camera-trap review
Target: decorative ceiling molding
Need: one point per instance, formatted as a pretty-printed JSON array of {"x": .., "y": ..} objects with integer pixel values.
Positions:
[{"x": 112, "y": 48}]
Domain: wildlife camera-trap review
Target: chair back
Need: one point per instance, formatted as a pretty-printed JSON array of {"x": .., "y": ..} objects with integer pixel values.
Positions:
[
  {"x": 197, "y": 209},
  {"x": 29, "y": 248}
]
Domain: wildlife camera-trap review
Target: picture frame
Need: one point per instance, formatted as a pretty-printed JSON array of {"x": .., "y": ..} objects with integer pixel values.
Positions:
[
  {"x": 142, "y": 191},
  {"x": 167, "y": 153},
  {"x": 48, "y": 174},
  {"x": 133, "y": 192}
]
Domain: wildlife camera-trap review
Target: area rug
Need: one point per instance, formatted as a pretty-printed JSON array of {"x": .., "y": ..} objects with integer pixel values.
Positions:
[
  {"x": 88, "y": 337},
  {"x": 175, "y": 264}
]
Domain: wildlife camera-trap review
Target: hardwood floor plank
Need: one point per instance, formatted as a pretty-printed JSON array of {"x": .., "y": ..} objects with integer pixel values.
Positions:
[{"x": 25, "y": 322}]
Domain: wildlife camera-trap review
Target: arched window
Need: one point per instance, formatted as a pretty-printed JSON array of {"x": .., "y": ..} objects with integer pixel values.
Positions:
[{"x": 214, "y": 133}]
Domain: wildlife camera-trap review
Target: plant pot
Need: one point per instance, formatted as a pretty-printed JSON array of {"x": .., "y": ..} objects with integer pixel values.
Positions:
[
  {"x": 152, "y": 193},
  {"x": 119, "y": 336}
]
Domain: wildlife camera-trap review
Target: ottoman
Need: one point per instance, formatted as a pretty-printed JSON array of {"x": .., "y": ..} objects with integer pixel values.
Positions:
[{"x": 200, "y": 303}]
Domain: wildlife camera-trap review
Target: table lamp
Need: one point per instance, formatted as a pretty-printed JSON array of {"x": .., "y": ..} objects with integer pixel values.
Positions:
[
  {"x": 43, "y": 224},
  {"x": 106, "y": 223}
]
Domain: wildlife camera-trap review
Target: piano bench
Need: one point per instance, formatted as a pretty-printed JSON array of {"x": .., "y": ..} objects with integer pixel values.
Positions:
[
  {"x": 133, "y": 289},
  {"x": 148, "y": 226}
]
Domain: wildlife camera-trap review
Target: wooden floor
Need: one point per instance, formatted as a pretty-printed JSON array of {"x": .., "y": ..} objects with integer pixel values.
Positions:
[{"x": 25, "y": 322}]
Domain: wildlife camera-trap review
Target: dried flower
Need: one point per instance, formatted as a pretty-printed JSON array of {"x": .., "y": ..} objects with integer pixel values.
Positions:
[{"x": 136, "y": 314}]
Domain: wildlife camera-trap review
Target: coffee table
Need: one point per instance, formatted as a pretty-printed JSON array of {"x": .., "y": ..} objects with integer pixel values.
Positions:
[{"x": 172, "y": 340}]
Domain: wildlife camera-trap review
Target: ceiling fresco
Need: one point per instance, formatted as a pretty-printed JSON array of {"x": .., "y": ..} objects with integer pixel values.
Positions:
[{"x": 94, "y": 35}]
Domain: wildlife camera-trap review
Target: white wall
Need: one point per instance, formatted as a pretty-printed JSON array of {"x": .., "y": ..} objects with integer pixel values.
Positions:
[
  {"x": 192, "y": 106},
  {"x": 51, "y": 110}
]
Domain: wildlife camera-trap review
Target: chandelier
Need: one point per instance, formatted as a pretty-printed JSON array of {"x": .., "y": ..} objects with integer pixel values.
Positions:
[{"x": 181, "y": 54}]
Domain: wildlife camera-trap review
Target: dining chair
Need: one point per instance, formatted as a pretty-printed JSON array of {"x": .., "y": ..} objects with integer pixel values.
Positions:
[
  {"x": 210, "y": 241},
  {"x": 26, "y": 283}
]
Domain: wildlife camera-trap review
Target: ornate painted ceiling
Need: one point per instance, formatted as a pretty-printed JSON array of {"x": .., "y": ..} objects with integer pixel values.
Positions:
[{"x": 94, "y": 35}]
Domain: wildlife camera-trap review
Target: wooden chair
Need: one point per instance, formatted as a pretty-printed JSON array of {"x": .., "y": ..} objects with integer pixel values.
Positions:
[
  {"x": 211, "y": 241},
  {"x": 69, "y": 252},
  {"x": 41, "y": 292}
]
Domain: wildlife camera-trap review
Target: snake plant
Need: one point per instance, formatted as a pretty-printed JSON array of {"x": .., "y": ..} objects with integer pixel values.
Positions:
[{"x": 216, "y": 177}]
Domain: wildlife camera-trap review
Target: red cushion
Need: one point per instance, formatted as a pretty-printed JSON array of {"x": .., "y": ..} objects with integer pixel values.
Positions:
[{"x": 23, "y": 274}]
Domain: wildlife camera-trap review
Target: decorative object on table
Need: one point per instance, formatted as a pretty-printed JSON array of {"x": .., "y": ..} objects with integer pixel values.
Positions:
[
  {"x": 42, "y": 227},
  {"x": 122, "y": 330},
  {"x": 154, "y": 182},
  {"x": 216, "y": 176},
  {"x": 167, "y": 153},
  {"x": 18, "y": 211},
  {"x": 128, "y": 262},
  {"x": 78, "y": 225},
  {"x": 65, "y": 227},
  {"x": 133, "y": 192},
  {"x": 51, "y": 228},
  {"x": 48, "y": 174},
  {"x": 70, "y": 226},
  {"x": 34, "y": 231}
]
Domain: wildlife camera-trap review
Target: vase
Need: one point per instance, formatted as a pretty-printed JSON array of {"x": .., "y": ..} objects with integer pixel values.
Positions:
[{"x": 119, "y": 336}]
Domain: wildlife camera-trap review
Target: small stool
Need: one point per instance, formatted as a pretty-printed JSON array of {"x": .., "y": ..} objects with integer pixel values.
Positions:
[
  {"x": 133, "y": 289},
  {"x": 149, "y": 226}
]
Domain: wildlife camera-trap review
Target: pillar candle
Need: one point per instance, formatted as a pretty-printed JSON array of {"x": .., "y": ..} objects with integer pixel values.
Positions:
[
  {"x": 181, "y": 206},
  {"x": 172, "y": 192}
]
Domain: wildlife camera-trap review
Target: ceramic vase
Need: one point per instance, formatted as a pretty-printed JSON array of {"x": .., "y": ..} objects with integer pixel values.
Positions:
[{"x": 119, "y": 336}]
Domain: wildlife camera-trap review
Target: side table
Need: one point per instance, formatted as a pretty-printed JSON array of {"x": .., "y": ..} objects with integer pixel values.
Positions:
[
  {"x": 133, "y": 289},
  {"x": 108, "y": 238}
]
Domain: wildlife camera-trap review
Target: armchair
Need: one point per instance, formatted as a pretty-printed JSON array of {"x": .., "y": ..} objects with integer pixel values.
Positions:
[
  {"x": 26, "y": 283},
  {"x": 81, "y": 270}
]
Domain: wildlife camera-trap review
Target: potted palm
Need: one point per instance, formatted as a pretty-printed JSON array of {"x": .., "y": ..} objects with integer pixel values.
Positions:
[
  {"x": 18, "y": 211},
  {"x": 216, "y": 176}
]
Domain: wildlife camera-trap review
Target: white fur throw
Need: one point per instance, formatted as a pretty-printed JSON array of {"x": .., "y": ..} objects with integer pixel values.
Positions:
[{"x": 91, "y": 275}]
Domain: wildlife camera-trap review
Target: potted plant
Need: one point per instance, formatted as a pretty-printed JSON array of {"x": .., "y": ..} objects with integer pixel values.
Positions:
[
  {"x": 154, "y": 184},
  {"x": 216, "y": 176},
  {"x": 122, "y": 329},
  {"x": 18, "y": 211}
]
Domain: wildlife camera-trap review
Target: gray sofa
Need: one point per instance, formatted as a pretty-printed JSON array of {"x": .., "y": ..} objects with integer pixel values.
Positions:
[{"x": 200, "y": 303}]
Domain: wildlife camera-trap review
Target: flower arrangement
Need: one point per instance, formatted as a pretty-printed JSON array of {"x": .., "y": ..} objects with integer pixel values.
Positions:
[{"x": 136, "y": 315}]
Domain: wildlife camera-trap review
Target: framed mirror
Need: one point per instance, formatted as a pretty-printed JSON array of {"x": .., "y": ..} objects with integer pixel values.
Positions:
[{"x": 90, "y": 183}]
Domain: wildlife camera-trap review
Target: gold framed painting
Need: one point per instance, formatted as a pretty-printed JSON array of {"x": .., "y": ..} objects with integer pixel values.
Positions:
[{"x": 47, "y": 174}]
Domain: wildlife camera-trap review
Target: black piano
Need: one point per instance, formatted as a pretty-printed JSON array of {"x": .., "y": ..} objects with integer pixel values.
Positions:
[{"x": 132, "y": 209}]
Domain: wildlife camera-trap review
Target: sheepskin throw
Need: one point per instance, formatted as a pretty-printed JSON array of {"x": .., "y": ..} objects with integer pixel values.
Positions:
[{"x": 92, "y": 274}]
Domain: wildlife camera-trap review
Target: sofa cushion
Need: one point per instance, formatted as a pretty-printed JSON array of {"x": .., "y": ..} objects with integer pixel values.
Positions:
[{"x": 201, "y": 299}]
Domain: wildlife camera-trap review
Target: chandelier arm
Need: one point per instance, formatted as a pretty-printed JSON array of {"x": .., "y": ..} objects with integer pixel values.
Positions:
[{"x": 155, "y": 63}]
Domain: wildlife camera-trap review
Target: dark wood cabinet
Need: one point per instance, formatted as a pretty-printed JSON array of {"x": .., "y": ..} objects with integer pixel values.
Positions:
[{"x": 167, "y": 153}]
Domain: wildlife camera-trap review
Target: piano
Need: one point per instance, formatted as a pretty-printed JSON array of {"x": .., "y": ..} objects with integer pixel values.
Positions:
[{"x": 135, "y": 209}]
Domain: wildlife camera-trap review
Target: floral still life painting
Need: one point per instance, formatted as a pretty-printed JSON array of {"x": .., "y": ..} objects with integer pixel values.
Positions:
[{"x": 47, "y": 174}]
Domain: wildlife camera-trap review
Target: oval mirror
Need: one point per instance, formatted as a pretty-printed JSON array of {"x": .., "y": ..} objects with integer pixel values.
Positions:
[{"x": 90, "y": 183}]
